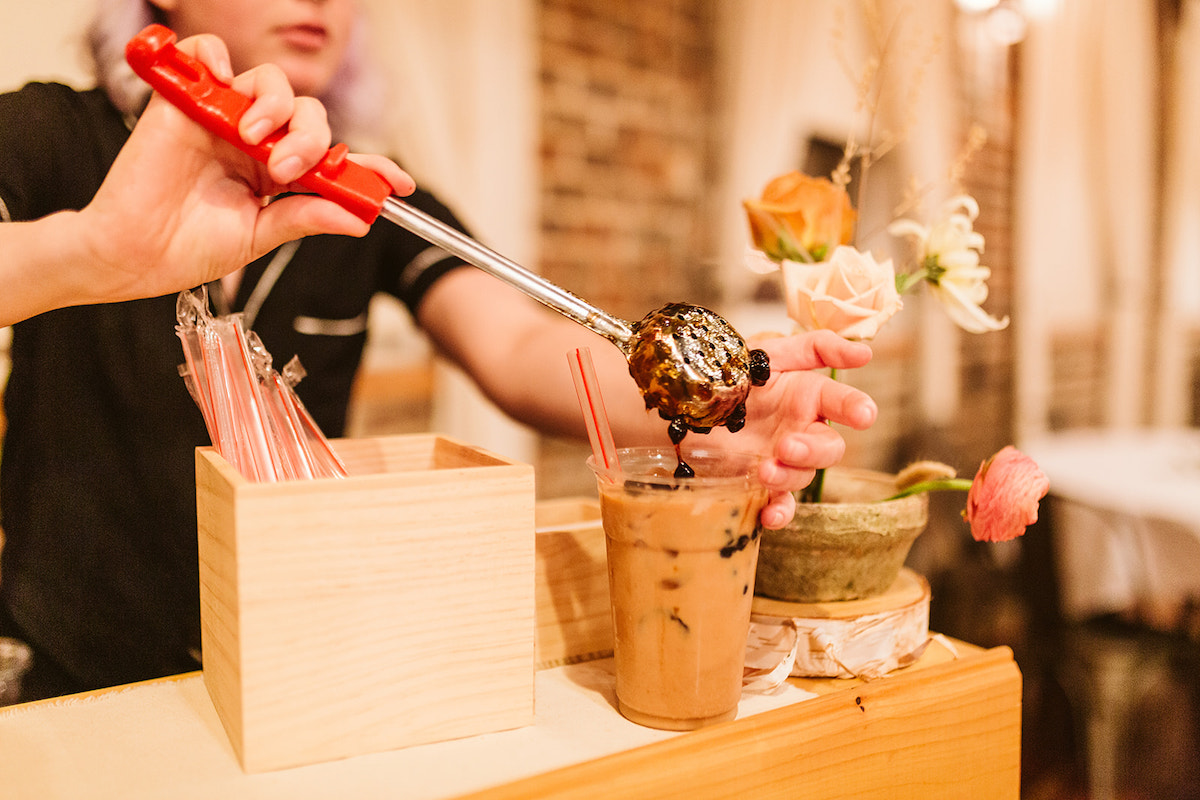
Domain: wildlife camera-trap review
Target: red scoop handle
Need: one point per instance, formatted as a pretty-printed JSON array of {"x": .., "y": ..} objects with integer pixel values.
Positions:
[{"x": 193, "y": 89}]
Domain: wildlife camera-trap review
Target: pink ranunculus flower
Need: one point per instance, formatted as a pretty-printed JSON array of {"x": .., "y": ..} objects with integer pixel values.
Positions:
[
  {"x": 1003, "y": 499},
  {"x": 851, "y": 294}
]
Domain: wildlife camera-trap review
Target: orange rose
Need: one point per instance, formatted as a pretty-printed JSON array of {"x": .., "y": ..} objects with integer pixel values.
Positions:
[
  {"x": 1003, "y": 499},
  {"x": 800, "y": 218}
]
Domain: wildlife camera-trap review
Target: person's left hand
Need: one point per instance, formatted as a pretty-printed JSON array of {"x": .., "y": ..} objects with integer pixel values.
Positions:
[{"x": 787, "y": 419}]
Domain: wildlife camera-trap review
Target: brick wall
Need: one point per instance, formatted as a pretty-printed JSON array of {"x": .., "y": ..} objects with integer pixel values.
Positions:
[
  {"x": 626, "y": 103},
  {"x": 985, "y": 422},
  {"x": 627, "y": 89}
]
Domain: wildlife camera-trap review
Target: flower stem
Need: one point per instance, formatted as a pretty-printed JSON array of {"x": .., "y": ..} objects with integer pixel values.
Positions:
[
  {"x": 907, "y": 280},
  {"x": 939, "y": 485},
  {"x": 812, "y": 493}
]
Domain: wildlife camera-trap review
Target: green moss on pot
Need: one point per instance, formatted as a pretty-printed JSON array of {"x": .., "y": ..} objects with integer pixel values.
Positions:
[{"x": 848, "y": 547}]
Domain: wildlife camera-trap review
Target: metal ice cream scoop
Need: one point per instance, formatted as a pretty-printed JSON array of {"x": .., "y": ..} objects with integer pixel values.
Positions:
[{"x": 689, "y": 363}]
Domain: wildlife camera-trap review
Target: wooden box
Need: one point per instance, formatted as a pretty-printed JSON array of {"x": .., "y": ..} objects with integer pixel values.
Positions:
[
  {"x": 390, "y": 608},
  {"x": 574, "y": 619}
]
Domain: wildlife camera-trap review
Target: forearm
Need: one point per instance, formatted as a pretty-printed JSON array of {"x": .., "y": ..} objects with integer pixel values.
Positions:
[
  {"x": 543, "y": 393},
  {"x": 516, "y": 351},
  {"x": 46, "y": 265}
]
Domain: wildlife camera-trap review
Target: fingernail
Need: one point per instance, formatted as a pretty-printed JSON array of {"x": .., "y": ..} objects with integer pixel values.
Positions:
[
  {"x": 791, "y": 453},
  {"x": 289, "y": 168},
  {"x": 258, "y": 131}
]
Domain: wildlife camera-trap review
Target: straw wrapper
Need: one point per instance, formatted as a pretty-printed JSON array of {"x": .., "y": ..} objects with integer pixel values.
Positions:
[{"x": 254, "y": 418}]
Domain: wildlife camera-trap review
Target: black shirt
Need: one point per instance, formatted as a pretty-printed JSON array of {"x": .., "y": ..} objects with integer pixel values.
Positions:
[{"x": 97, "y": 485}]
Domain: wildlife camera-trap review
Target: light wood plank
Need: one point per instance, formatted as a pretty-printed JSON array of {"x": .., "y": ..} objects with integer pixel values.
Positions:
[
  {"x": 348, "y": 616},
  {"x": 574, "y": 620},
  {"x": 945, "y": 732}
]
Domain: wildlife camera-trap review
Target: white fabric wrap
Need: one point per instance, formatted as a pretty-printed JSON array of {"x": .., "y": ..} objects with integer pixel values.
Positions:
[{"x": 867, "y": 646}]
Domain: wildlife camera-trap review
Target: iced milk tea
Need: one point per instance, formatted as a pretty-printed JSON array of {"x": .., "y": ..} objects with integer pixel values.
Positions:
[{"x": 681, "y": 561}]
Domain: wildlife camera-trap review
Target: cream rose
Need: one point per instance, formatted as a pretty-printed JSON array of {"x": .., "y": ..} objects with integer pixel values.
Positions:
[{"x": 851, "y": 294}]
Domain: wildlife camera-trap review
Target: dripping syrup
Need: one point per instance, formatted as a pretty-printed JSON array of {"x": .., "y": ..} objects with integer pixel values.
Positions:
[{"x": 677, "y": 431}]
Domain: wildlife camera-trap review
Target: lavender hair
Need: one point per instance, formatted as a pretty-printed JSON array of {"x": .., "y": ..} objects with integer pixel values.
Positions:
[{"x": 354, "y": 98}]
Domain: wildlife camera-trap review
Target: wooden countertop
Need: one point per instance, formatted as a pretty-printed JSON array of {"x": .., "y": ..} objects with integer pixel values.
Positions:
[{"x": 948, "y": 726}]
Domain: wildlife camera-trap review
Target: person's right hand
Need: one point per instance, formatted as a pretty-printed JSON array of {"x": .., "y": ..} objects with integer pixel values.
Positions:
[{"x": 181, "y": 207}]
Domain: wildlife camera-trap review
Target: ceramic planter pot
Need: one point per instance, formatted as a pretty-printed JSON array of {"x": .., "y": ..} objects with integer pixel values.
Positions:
[{"x": 847, "y": 547}]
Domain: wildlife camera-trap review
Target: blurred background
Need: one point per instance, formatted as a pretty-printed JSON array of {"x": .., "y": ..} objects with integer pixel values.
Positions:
[{"x": 608, "y": 145}]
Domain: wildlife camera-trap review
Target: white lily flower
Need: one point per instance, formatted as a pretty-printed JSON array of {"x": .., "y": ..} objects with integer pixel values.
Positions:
[
  {"x": 963, "y": 306},
  {"x": 949, "y": 252}
]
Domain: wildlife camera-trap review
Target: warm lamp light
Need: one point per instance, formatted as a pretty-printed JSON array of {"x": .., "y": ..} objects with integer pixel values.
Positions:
[{"x": 976, "y": 6}]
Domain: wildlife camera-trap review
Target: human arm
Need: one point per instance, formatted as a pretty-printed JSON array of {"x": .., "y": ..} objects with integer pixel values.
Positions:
[
  {"x": 179, "y": 207},
  {"x": 516, "y": 352}
]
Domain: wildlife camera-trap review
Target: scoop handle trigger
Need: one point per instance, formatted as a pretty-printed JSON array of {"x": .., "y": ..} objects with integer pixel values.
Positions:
[{"x": 192, "y": 88}]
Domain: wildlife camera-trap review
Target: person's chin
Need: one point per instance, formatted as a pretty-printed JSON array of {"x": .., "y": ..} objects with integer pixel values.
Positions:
[{"x": 308, "y": 76}]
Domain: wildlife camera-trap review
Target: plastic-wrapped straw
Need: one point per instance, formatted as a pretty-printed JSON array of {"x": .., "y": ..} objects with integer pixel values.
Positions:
[
  {"x": 325, "y": 462},
  {"x": 252, "y": 413},
  {"x": 220, "y": 399},
  {"x": 191, "y": 309},
  {"x": 297, "y": 457},
  {"x": 289, "y": 443},
  {"x": 246, "y": 399}
]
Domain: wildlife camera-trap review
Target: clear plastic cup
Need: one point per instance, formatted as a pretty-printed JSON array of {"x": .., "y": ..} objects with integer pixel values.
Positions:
[{"x": 681, "y": 561}]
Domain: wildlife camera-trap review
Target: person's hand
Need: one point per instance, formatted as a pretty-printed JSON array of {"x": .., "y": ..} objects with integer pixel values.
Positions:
[
  {"x": 787, "y": 419},
  {"x": 180, "y": 207}
]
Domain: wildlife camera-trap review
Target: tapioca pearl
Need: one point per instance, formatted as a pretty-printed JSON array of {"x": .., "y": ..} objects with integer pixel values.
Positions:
[
  {"x": 760, "y": 367},
  {"x": 739, "y": 545}
]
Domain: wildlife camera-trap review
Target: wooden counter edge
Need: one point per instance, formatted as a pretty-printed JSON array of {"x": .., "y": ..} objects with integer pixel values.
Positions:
[
  {"x": 950, "y": 730},
  {"x": 930, "y": 731},
  {"x": 99, "y": 693}
]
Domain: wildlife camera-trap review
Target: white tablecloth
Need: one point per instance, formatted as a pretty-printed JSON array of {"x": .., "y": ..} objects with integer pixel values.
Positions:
[
  {"x": 1126, "y": 518},
  {"x": 163, "y": 739}
]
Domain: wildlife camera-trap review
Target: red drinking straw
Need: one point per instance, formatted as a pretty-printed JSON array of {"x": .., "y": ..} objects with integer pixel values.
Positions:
[{"x": 594, "y": 415}]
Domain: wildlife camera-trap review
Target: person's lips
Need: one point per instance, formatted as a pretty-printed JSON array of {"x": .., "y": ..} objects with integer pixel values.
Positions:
[{"x": 304, "y": 37}]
